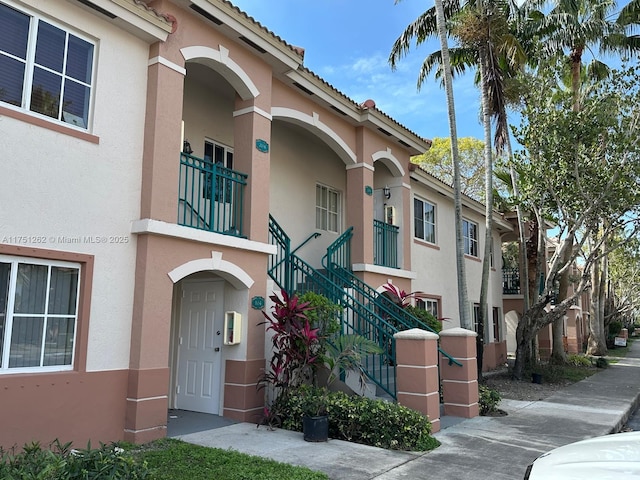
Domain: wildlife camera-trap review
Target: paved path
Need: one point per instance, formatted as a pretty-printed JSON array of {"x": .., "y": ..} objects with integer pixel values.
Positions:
[{"x": 499, "y": 448}]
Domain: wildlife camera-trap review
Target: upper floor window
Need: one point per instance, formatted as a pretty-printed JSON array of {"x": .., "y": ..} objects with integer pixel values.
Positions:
[
  {"x": 38, "y": 314},
  {"x": 327, "y": 208},
  {"x": 44, "y": 68},
  {"x": 424, "y": 220},
  {"x": 470, "y": 234}
]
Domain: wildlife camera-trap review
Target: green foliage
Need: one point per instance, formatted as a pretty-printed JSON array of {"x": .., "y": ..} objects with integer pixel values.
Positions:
[
  {"x": 426, "y": 317},
  {"x": 323, "y": 315},
  {"x": 344, "y": 354},
  {"x": 578, "y": 360},
  {"x": 615, "y": 328},
  {"x": 361, "y": 420},
  {"x": 569, "y": 372},
  {"x": 60, "y": 462},
  {"x": 437, "y": 161},
  {"x": 171, "y": 459},
  {"x": 489, "y": 399},
  {"x": 602, "y": 362}
]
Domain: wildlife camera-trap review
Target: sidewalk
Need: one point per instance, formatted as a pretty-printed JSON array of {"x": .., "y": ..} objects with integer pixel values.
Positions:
[{"x": 499, "y": 448}]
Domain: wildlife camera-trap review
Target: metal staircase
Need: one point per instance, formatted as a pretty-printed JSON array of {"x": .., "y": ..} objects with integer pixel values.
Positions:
[{"x": 366, "y": 312}]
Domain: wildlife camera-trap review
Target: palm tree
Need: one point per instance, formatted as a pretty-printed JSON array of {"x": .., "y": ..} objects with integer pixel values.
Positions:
[
  {"x": 578, "y": 25},
  {"x": 434, "y": 20},
  {"x": 487, "y": 43}
]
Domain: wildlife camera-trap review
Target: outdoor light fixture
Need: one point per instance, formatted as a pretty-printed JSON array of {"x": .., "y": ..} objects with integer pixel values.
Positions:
[
  {"x": 387, "y": 192},
  {"x": 186, "y": 147}
]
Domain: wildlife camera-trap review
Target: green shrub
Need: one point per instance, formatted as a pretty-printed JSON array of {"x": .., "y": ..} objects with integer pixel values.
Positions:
[
  {"x": 489, "y": 399},
  {"x": 360, "y": 419},
  {"x": 324, "y": 314},
  {"x": 615, "y": 328},
  {"x": 60, "y": 462},
  {"x": 578, "y": 360},
  {"x": 425, "y": 317},
  {"x": 602, "y": 362}
]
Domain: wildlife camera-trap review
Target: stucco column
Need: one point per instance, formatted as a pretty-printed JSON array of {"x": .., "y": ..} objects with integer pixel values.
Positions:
[
  {"x": 147, "y": 393},
  {"x": 417, "y": 373},
  {"x": 360, "y": 212},
  {"x": 252, "y": 147},
  {"x": 162, "y": 131},
  {"x": 459, "y": 384}
]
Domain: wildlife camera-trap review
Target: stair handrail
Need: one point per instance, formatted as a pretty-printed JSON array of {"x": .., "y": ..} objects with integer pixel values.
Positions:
[
  {"x": 282, "y": 259},
  {"x": 313, "y": 236}
]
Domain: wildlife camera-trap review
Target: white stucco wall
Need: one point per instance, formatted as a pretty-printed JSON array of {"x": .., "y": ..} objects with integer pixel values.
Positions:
[
  {"x": 435, "y": 264},
  {"x": 58, "y": 187}
]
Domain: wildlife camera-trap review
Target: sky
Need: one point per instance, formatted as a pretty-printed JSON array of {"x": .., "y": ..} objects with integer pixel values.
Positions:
[{"x": 347, "y": 43}]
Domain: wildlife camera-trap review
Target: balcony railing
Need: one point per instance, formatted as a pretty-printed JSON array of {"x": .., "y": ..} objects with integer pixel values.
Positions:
[
  {"x": 210, "y": 196},
  {"x": 510, "y": 281},
  {"x": 385, "y": 244}
]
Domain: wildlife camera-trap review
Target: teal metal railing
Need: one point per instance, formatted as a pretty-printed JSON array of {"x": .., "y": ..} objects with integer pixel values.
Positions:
[
  {"x": 390, "y": 311},
  {"x": 366, "y": 312},
  {"x": 210, "y": 196},
  {"x": 510, "y": 281},
  {"x": 385, "y": 244}
]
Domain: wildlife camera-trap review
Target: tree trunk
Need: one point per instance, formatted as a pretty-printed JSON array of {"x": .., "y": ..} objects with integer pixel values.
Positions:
[
  {"x": 524, "y": 339},
  {"x": 488, "y": 196},
  {"x": 463, "y": 304},
  {"x": 597, "y": 343},
  {"x": 558, "y": 355}
]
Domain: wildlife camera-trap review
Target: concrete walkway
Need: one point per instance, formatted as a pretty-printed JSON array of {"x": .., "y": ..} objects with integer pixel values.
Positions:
[{"x": 482, "y": 447}]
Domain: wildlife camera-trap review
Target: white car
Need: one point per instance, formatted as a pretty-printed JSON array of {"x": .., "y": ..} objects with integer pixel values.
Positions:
[{"x": 612, "y": 457}]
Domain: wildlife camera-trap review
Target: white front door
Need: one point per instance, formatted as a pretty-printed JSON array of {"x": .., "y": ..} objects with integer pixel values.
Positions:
[{"x": 199, "y": 347}]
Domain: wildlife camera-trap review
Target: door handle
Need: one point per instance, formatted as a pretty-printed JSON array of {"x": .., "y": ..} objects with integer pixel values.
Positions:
[{"x": 217, "y": 349}]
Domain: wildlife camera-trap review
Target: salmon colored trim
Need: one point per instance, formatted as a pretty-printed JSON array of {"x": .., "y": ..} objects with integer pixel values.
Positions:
[
  {"x": 71, "y": 406},
  {"x": 84, "y": 301},
  {"x": 470, "y": 257},
  {"x": 56, "y": 127}
]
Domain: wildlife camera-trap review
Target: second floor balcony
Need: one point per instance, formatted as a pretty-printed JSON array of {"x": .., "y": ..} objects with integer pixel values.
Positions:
[
  {"x": 510, "y": 281},
  {"x": 385, "y": 244},
  {"x": 210, "y": 196}
]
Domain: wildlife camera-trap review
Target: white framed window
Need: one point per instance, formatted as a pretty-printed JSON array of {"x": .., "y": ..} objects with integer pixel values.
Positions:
[
  {"x": 424, "y": 220},
  {"x": 38, "y": 314},
  {"x": 470, "y": 234},
  {"x": 327, "y": 208},
  {"x": 431, "y": 305},
  {"x": 217, "y": 153},
  {"x": 44, "y": 68},
  {"x": 496, "y": 324}
]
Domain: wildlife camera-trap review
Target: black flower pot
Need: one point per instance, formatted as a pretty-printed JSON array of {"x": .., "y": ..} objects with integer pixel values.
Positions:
[
  {"x": 536, "y": 377},
  {"x": 315, "y": 429}
]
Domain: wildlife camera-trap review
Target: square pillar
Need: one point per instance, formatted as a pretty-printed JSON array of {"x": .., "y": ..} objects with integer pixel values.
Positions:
[
  {"x": 417, "y": 373},
  {"x": 459, "y": 384}
]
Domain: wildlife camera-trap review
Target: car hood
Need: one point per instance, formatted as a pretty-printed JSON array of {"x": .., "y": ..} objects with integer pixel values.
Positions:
[{"x": 602, "y": 458}]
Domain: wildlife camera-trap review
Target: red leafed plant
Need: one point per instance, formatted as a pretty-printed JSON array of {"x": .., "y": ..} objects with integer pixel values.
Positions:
[{"x": 296, "y": 345}]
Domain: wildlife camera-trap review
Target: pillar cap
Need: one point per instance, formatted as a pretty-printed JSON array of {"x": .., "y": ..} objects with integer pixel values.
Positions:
[
  {"x": 458, "y": 332},
  {"x": 415, "y": 334}
]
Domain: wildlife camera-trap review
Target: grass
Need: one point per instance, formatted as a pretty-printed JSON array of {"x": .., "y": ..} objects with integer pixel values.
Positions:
[
  {"x": 619, "y": 352},
  {"x": 171, "y": 459}
]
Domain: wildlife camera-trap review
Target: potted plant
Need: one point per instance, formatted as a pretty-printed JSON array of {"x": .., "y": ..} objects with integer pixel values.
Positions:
[{"x": 315, "y": 419}]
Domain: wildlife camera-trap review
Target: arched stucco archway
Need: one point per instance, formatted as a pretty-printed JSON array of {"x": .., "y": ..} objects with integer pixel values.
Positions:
[
  {"x": 219, "y": 61},
  {"x": 313, "y": 124},
  {"x": 233, "y": 274}
]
